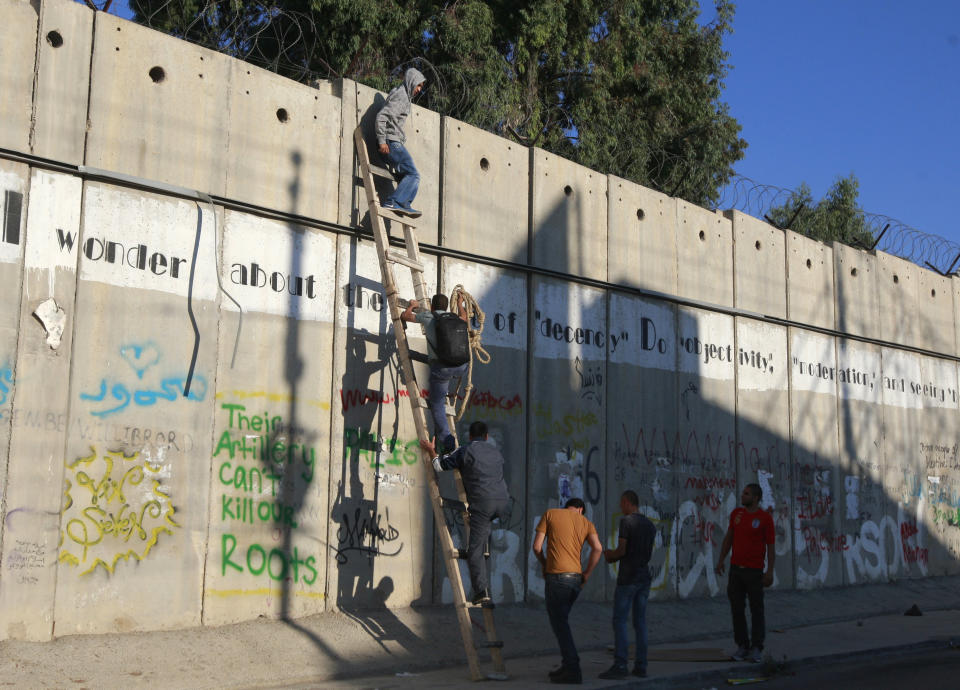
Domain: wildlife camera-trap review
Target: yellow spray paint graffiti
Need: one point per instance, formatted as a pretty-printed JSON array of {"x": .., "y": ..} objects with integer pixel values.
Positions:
[{"x": 114, "y": 508}]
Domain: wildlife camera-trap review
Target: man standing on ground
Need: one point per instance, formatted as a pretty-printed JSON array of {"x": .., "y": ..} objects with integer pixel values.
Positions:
[
  {"x": 481, "y": 468},
  {"x": 441, "y": 373},
  {"x": 633, "y": 551},
  {"x": 391, "y": 139},
  {"x": 751, "y": 532},
  {"x": 565, "y": 529}
]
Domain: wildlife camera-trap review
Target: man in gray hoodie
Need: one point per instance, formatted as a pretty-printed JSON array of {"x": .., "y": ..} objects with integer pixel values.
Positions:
[{"x": 391, "y": 140}]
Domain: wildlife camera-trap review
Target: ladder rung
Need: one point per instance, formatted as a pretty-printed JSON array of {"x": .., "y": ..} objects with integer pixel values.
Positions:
[
  {"x": 391, "y": 214},
  {"x": 488, "y": 604},
  {"x": 381, "y": 172},
  {"x": 490, "y": 644},
  {"x": 404, "y": 260}
]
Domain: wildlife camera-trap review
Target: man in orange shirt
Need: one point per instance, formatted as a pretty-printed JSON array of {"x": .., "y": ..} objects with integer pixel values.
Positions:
[
  {"x": 751, "y": 532},
  {"x": 565, "y": 529}
]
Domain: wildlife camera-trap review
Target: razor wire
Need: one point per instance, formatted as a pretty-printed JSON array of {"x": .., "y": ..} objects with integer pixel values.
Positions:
[{"x": 281, "y": 40}]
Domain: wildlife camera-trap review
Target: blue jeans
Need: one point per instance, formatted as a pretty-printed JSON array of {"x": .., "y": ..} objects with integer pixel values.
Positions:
[
  {"x": 440, "y": 377},
  {"x": 562, "y": 589},
  {"x": 409, "y": 182},
  {"x": 627, "y": 599}
]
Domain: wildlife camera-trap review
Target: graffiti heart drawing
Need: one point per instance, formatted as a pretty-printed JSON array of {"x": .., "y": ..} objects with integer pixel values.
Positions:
[{"x": 140, "y": 357}]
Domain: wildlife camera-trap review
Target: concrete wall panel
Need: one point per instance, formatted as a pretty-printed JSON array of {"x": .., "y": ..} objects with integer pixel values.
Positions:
[
  {"x": 904, "y": 477},
  {"x": 569, "y": 215},
  {"x": 284, "y": 145},
  {"x": 935, "y": 324},
  {"x": 268, "y": 517},
  {"x": 862, "y": 502},
  {"x": 763, "y": 430},
  {"x": 704, "y": 255},
  {"x": 642, "y": 429},
  {"x": 33, "y": 496},
  {"x": 485, "y": 193},
  {"x": 63, "y": 80},
  {"x": 158, "y": 108},
  {"x": 567, "y": 446},
  {"x": 855, "y": 278},
  {"x": 641, "y": 237},
  {"x": 423, "y": 143},
  {"x": 18, "y": 53},
  {"x": 818, "y": 541},
  {"x": 810, "y": 292},
  {"x": 760, "y": 280},
  {"x": 705, "y": 463},
  {"x": 377, "y": 480},
  {"x": 499, "y": 399},
  {"x": 897, "y": 290},
  {"x": 937, "y": 536},
  {"x": 137, "y": 429}
]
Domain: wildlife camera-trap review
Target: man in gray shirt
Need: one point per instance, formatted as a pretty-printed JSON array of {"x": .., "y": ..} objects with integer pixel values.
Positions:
[
  {"x": 633, "y": 551},
  {"x": 481, "y": 467}
]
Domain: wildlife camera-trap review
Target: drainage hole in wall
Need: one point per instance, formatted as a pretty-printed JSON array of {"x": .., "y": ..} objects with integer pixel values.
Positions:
[
  {"x": 703, "y": 236},
  {"x": 933, "y": 293},
  {"x": 809, "y": 263},
  {"x": 757, "y": 245},
  {"x": 157, "y": 74},
  {"x": 896, "y": 278},
  {"x": 853, "y": 272},
  {"x": 568, "y": 190},
  {"x": 640, "y": 214},
  {"x": 282, "y": 114},
  {"x": 55, "y": 39},
  {"x": 484, "y": 164}
]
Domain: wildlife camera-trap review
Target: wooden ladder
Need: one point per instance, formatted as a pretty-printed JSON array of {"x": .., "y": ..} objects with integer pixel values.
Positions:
[{"x": 410, "y": 258}]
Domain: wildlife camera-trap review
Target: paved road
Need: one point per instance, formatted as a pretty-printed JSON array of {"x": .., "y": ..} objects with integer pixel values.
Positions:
[{"x": 929, "y": 670}]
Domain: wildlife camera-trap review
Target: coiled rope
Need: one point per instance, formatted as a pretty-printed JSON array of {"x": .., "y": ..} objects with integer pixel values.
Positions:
[{"x": 460, "y": 297}]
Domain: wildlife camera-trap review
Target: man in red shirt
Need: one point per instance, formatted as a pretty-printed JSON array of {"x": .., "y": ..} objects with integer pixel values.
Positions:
[{"x": 751, "y": 533}]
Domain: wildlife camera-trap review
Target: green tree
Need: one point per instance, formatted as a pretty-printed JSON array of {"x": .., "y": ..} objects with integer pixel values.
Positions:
[
  {"x": 629, "y": 87},
  {"x": 837, "y": 216}
]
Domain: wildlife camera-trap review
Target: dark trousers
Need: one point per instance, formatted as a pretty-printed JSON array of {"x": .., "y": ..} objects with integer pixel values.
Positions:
[
  {"x": 744, "y": 584},
  {"x": 482, "y": 513},
  {"x": 562, "y": 589}
]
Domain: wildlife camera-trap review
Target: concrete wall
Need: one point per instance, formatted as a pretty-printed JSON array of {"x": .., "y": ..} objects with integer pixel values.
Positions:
[{"x": 287, "y": 479}]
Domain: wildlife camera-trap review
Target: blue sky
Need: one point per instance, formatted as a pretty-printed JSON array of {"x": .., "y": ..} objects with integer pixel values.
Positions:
[{"x": 825, "y": 88}]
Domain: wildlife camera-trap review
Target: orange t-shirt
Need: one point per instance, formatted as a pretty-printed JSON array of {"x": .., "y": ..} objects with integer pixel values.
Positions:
[{"x": 566, "y": 530}]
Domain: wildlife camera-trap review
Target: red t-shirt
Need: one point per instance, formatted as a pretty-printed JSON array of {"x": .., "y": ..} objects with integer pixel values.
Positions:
[{"x": 751, "y": 533}]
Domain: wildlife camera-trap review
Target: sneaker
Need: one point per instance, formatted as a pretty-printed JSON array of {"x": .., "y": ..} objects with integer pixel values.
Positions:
[
  {"x": 557, "y": 672},
  {"x": 567, "y": 677},
  {"x": 741, "y": 654},
  {"x": 412, "y": 212},
  {"x": 755, "y": 656},
  {"x": 615, "y": 672},
  {"x": 639, "y": 672},
  {"x": 480, "y": 597},
  {"x": 393, "y": 207}
]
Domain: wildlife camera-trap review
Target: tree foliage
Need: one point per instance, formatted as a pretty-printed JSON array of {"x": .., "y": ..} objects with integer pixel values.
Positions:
[
  {"x": 629, "y": 87},
  {"x": 837, "y": 216}
]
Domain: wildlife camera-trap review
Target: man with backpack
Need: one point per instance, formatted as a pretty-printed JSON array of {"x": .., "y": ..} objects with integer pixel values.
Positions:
[{"x": 448, "y": 353}]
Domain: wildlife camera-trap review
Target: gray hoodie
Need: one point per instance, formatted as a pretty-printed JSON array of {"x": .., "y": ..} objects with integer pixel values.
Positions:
[{"x": 393, "y": 114}]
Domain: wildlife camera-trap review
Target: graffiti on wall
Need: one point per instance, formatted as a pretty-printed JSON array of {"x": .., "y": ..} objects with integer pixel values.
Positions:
[
  {"x": 264, "y": 466},
  {"x": 148, "y": 388},
  {"x": 115, "y": 508},
  {"x": 6, "y": 387}
]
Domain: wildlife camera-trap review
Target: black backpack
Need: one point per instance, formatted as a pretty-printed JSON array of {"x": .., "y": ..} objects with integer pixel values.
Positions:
[{"x": 453, "y": 343}]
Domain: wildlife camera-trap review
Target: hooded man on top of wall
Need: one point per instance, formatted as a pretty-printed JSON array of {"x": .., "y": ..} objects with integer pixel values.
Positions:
[{"x": 391, "y": 139}]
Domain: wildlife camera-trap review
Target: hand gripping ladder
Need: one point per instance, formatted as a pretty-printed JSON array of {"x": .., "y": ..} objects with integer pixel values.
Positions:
[{"x": 410, "y": 258}]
